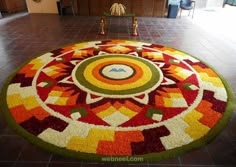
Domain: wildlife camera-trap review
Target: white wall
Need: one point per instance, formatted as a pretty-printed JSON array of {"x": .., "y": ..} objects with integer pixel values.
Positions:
[{"x": 215, "y": 3}]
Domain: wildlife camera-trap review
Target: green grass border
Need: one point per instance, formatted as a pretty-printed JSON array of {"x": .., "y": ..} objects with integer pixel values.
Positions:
[{"x": 231, "y": 104}]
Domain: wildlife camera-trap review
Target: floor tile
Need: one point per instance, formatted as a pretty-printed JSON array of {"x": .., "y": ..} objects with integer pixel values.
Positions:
[
  {"x": 222, "y": 152},
  {"x": 65, "y": 164},
  {"x": 33, "y": 153},
  {"x": 30, "y": 164},
  {"x": 7, "y": 164},
  {"x": 58, "y": 159},
  {"x": 199, "y": 156},
  {"x": 11, "y": 147}
]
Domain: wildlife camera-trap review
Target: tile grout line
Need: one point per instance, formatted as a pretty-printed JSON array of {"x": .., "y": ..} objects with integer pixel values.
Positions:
[
  {"x": 210, "y": 155},
  {"x": 148, "y": 165},
  {"x": 180, "y": 162},
  {"x": 49, "y": 160},
  {"x": 19, "y": 155},
  {"x": 81, "y": 164},
  {"x": 200, "y": 165},
  {"x": 24, "y": 161}
]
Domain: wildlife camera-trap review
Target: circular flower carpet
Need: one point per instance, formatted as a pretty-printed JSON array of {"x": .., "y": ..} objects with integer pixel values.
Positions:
[{"x": 117, "y": 98}]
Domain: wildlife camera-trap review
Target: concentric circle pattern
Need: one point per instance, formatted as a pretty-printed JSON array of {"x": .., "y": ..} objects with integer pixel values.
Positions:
[
  {"x": 120, "y": 75},
  {"x": 116, "y": 98}
]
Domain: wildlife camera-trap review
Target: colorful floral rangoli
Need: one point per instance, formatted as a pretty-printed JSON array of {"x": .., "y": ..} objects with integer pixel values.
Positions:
[{"x": 116, "y": 98}]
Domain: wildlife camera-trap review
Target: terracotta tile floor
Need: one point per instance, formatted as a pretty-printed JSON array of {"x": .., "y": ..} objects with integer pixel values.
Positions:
[{"x": 25, "y": 36}]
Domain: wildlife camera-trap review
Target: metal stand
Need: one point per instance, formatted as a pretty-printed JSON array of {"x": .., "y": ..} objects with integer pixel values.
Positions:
[
  {"x": 103, "y": 25},
  {"x": 135, "y": 26}
]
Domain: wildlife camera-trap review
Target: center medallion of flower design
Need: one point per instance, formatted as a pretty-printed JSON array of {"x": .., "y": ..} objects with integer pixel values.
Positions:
[{"x": 117, "y": 76}]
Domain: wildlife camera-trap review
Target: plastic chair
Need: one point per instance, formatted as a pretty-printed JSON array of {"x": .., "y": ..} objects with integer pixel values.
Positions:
[
  {"x": 187, "y": 5},
  {"x": 229, "y": 2},
  {"x": 64, "y": 4}
]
